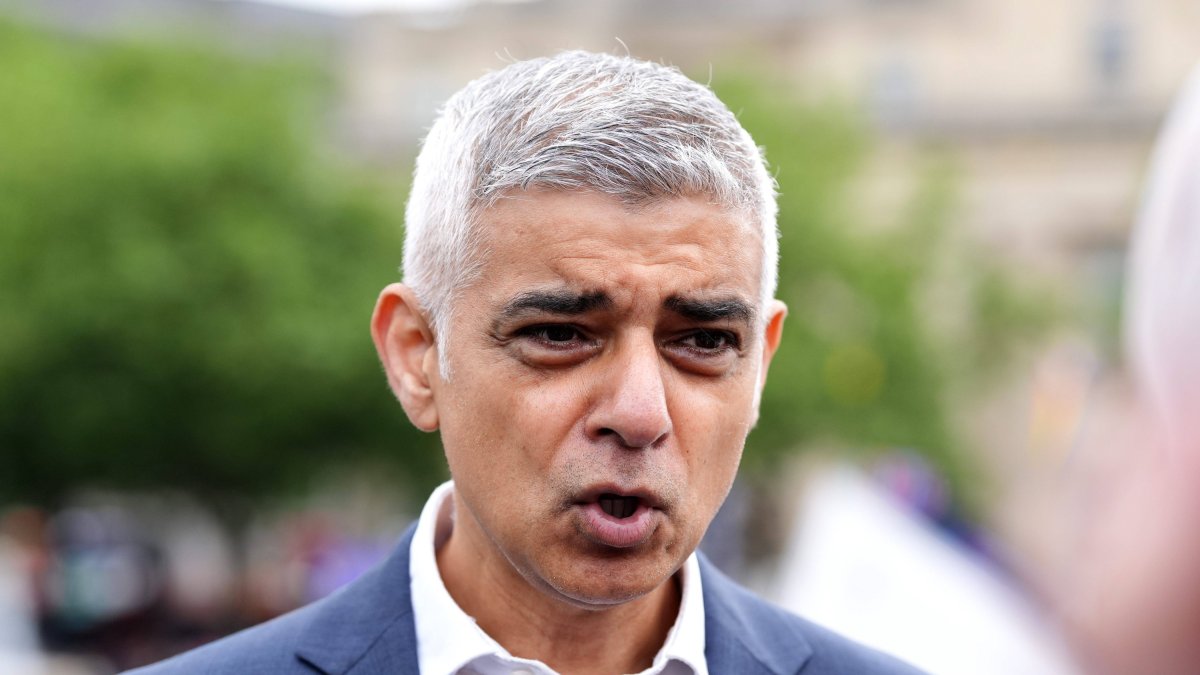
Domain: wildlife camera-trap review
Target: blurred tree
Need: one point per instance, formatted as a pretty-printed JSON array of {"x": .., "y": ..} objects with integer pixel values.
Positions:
[
  {"x": 861, "y": 367},
  {"x": 185, "y": 277}
]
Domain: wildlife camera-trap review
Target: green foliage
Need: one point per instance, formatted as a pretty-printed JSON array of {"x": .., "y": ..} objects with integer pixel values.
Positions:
[
  {"x": 860, "y": 368},
  {"x": 185, "y": 281}
]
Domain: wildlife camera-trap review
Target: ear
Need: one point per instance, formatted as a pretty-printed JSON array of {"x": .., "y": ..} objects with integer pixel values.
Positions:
[
  {"x": 408, "y": 351},
  {"x": 772, "y": 335}
]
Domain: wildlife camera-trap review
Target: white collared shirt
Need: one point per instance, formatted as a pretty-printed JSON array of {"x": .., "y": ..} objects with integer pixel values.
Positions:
[{"x": 450, "y": 643}]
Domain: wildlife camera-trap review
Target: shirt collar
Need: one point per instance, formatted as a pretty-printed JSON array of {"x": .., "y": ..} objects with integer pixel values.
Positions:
[{"x": 448, "y": 639}]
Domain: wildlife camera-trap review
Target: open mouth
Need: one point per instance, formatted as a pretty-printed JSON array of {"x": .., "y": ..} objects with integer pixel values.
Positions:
[
  {"x": 619, "y": 519},
  {"x": 618, "y": 506}
]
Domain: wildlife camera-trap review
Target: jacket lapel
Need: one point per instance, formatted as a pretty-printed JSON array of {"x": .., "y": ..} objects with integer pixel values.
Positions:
[
  {"x": 743, "y": 634},
  {"x": 367, "y": 627}
]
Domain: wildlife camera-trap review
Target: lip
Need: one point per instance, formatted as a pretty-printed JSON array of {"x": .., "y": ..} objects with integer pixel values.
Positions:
[
  {"x": 646, "y": 497},
  {"x": 619, "y": 532},
  {"x": 614, "y": 532}
]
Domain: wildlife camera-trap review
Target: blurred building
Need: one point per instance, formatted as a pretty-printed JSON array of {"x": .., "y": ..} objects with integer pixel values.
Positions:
[{"x": 1047, "y": 110}]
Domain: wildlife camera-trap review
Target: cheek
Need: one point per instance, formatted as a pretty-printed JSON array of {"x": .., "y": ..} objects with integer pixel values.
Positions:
[
  {"x": 548, "y": 412},
  {"x": 712, "y": 425},
  {"x": 503, "y": 429}
]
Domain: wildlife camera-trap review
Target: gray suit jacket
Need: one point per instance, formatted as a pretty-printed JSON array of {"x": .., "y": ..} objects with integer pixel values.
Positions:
[{"x": 367, "y": 629}]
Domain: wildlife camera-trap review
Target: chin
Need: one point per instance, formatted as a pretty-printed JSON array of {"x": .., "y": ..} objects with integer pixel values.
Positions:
[
  {"x": 604, "y": 594},
  {"x": 609, "y": 581}
]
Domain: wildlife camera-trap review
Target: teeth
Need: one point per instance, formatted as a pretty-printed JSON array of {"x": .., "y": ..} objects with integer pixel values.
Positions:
[{"x": 618, "y": 506}]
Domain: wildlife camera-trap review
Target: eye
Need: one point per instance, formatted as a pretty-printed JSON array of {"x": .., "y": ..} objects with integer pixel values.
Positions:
[
  {"x": 714, "y": 341},
  {"x": 558, "y": 333},
  {"x": 705, "y": 351},
  {"x": 553, "y": 345},
  {"x": 554, "y": 335}
]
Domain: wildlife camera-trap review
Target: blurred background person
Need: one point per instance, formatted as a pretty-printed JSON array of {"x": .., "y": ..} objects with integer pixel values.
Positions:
[
  {"x": 1162, "y": 315},
  {"x": 1129, "y": 589}
]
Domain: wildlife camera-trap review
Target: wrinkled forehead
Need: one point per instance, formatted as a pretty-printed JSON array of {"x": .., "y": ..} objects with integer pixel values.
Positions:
[
  {"x": 487, "y": 215},
  {"x": 585, "y": 234}
]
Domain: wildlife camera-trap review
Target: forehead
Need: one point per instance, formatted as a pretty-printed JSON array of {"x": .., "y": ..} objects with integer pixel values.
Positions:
[{"x": 592, "y": 242}]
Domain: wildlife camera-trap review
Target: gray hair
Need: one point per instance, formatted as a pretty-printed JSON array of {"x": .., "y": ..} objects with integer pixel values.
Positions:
[{"x": 635, "y": 130}]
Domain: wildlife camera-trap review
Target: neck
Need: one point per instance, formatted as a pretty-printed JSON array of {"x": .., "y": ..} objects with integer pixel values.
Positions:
[{"x": 533, "y": 623}]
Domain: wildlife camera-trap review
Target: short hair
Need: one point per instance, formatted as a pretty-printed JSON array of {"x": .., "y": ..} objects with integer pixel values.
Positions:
[{"x": 615, "y": 125}]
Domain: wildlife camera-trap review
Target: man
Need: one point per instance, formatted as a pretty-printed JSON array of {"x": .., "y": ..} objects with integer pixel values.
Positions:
[{"x": 587, "y": 320}]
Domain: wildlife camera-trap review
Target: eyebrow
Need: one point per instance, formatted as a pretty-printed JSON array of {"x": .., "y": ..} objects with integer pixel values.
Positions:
[
  {"x": 565, "y": 303},
  {"x": 716, "y": 309},
  {"x": 568, "y": 303}
]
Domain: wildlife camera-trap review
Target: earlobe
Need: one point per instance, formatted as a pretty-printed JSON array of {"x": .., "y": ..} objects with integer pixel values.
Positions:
[{"x": 406, "y": 347}]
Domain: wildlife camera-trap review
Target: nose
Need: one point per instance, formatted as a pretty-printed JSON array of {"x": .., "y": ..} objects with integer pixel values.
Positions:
[{"x": 632, "y": 405}]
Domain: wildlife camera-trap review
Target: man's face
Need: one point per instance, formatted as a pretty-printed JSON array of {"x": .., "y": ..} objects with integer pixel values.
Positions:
[{"x": 605, "y": 367}]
